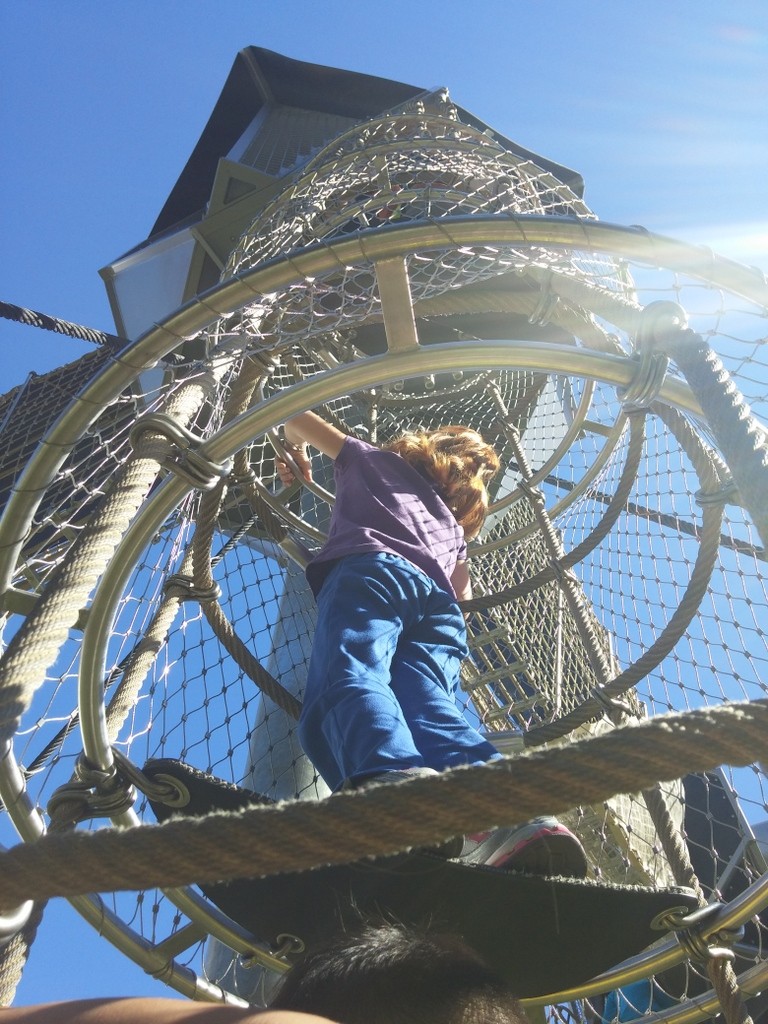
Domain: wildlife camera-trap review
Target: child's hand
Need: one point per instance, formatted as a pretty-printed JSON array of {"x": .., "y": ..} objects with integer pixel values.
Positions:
[
  {"x": 300, "y": 456},
  {"x": 306, "y": 428}
]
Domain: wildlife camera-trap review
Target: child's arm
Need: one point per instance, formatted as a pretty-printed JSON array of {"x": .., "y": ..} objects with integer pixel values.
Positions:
[
  {"x": 308, "y": 428},
  {"x": 461, "y": 582},
  {"x": 149, "y": 1010}
]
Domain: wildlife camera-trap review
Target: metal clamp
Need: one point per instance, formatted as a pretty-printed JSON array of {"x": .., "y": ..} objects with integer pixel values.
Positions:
[
  {"x": 286, "y": 451},
  {"x": 532, "y": 493},
  {"x": 562, "y": 573},
  {"x": 610, "y": 704},
  {"x": 727, "y": 493},
  {"x": 243, "y": 479},
  {"x": 288, "y": 945},
  {"x": 180, "y": 454},
  {"x": 658, "y": 322},
  {"x": 699, "y": 933},
  {"x": 184, "y": 588},
  {"x": 290, "y": 446},
  {"x": 285, "y": 946},
  {"x": 647, "y": 381},
  {"x": 12, "y": 920}
]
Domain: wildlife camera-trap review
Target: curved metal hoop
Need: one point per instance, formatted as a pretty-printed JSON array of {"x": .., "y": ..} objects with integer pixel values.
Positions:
[
  {"x": 520, "y": 231},
  {"x": 369, "y": 373},
  {"x": 225, "y": 298}
]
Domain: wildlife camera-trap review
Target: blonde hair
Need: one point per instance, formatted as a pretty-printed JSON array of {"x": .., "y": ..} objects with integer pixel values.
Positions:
[{"x": 460, "y": 464}]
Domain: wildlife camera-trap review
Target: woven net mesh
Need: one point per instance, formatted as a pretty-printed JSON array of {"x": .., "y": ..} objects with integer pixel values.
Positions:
[{"x": 595, "y": 533}]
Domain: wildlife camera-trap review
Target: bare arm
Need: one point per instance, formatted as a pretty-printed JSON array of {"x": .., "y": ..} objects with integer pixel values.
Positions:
[
  {"x": 149, "y": 1010},
  {"x": 308, "y": 428},
  {"x": 461, "y": 582}
]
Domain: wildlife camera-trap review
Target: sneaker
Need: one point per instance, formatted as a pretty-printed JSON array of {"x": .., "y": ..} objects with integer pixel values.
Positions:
[{"x": 542, "y": 846}]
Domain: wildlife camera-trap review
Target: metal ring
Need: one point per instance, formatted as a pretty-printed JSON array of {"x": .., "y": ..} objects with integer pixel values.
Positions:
[{"x": 165, "y": 788}]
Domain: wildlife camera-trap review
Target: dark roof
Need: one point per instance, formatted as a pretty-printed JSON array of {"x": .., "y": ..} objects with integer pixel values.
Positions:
[{"x": 261, "y": 76}]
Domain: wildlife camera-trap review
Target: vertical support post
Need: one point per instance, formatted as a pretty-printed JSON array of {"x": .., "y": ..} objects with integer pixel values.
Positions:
[{"x": 396, "y": 304}]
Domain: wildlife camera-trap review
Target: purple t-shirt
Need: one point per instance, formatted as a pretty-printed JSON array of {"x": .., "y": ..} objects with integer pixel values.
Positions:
[{"x": 384, "y": 504}]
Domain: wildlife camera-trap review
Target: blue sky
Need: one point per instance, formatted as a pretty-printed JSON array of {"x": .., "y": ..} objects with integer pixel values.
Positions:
[{"x": 660, "y": 106}]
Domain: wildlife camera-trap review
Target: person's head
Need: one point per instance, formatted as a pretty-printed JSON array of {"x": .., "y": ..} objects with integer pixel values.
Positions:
[
  {"x": 459, "y": 463},
  {"x": 389, "y": 974}
]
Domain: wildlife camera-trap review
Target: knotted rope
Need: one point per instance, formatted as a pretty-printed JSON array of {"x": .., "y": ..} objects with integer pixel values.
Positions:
[{"x": 35, "y": 646}]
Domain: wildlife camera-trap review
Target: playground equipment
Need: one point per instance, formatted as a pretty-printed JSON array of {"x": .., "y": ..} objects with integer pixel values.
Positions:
[{"x": 363, "y": 247}]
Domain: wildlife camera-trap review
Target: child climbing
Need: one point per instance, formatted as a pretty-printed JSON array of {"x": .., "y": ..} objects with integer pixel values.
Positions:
[{"x": 379, "y": 703}]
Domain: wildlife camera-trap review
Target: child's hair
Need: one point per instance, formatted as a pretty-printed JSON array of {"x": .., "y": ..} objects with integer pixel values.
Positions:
[
  {"x": 390, "y": 974},
  {"x": 459, "y": 463}
]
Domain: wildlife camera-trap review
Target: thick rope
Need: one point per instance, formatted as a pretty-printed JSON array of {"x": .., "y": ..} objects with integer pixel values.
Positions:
[
  {"x": 272, "y": 525},
  {"x": 245, "y": 660},
  {"x": 742, "y": 439},
  {"x": 567, "y": 582},
  {"x": 130, "y": 671},
  {"x": 385, "y": 819},
  {"x": 561, "y": 312},
  {"x": 593, "y": 709},
  {"x": 15, "y": 953},
  {"x": 32, "y": 318},
  {"x": 141, "y": 659},
  {"x": 713, "y": 473},
  {"x": 35, "y": 646},
  {"x": 201, "y": 557},
  {"x": 618, "y": 308}
]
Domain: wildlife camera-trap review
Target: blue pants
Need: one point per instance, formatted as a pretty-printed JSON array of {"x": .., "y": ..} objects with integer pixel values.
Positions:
[{"x": 384, "y": 669}]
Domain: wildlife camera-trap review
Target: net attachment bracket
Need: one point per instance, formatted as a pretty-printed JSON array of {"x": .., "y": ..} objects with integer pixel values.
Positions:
[{"x": 158, "y": 436}]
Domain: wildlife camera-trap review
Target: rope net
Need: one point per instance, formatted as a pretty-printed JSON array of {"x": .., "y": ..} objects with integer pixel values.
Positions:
[{"x": 618, "y": 577}]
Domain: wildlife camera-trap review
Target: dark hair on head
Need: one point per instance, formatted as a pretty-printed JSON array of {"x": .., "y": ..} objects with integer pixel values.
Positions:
[
  {"x": 460, "y": 464},
  {"x": 390, "y": 974}
]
